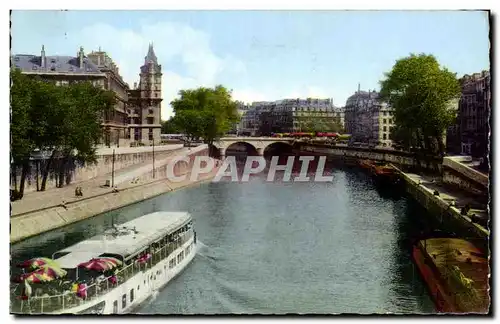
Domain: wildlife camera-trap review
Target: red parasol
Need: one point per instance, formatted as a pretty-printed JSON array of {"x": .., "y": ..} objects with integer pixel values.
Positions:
[{"x": 100, "y": 264}]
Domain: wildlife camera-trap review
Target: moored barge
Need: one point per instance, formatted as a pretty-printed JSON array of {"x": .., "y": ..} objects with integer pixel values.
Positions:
[{"x": 456, "y": 274}]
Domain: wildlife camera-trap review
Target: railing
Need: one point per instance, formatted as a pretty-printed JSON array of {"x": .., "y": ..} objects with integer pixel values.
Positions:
[{"x": 69, "y": 299}]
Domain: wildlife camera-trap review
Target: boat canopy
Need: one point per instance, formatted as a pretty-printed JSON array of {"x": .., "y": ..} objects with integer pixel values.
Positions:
[{"x": 125, "y": 239}]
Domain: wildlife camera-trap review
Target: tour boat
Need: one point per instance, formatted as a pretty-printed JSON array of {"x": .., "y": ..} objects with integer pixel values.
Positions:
[{"x": 150, "y": 251}]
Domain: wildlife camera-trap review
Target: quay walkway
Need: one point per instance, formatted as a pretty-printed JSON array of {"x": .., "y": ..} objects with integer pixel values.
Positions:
[
  {"x": 33, "y": 201},
  {"x": 449, "y": 202}
]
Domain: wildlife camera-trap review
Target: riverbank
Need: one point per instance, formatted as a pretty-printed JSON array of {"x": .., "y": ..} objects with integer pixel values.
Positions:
[
  {"x": 60, "y": 207},
  {"x": 447, "y": 204},
  {"x": 35, "y": 223}
]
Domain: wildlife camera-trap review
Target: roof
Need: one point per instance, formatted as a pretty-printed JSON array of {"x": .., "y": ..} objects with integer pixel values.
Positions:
[
  {"x": 72, "y": 260},
  {"x": 151, "y": 56},
  {"x": 54, "y": 64},
  {"x": 148, "y": 229}
]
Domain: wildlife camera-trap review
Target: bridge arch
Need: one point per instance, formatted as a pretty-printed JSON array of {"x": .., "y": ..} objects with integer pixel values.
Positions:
[
  {"x": 241, "y": 147},
  {"x": 252, "y": 144},
  {"x": 278, "y": 148}
]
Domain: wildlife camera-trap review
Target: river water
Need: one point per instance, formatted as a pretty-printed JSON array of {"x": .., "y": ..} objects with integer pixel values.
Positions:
[{"x": 281, "y": 247}]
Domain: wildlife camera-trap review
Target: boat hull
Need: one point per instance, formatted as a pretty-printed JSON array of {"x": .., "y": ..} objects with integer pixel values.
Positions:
[{"x": 436, "y": 290}]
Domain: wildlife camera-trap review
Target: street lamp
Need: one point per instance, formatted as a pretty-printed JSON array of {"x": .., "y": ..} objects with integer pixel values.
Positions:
[
  {"x": 154, "y": 171},
  {"x": 113, "y": 170}
]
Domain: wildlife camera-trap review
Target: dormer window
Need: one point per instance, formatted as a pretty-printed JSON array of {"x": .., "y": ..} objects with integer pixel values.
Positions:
[
  {"x": 53, "y": 68},
  {"x": 16, "y": 58},
  {"x": 52, "y": 60},
  {"x": 34, "y": 67},
  {"x": 71, "y": 68}
]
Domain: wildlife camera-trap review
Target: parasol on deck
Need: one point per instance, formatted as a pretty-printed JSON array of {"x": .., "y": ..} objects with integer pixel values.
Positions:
[
  {"x": 43, "y": 274},
  {"x": 36, "y": 263},
  {"x": 101, "y": 264}
]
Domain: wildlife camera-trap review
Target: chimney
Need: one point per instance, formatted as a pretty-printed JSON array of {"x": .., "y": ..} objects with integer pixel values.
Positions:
[
  {"x": 135, "y": 85},
  {"x": 80, "y": 57},
  {"x": 43, "y": 59}
]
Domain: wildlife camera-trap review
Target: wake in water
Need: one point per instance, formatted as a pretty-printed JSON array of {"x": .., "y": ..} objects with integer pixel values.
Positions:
[{"x": 204, "y": 250}]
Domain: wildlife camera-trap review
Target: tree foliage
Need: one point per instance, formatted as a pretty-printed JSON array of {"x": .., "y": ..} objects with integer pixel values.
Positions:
[
  {"x": 424, "y": 96},
  {"x": 206, "y": 113},
  {"x": 63, "y": 120},
  {"x": 320, "y": 124},
  {"x": 170, "y": 126}
]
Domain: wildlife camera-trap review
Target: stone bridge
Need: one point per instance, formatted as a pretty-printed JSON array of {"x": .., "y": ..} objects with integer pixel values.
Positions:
[{"x": 259, "y": 143}]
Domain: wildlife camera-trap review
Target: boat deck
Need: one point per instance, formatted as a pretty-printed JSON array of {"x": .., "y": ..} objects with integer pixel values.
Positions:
[{"x": 447, "y": 253}]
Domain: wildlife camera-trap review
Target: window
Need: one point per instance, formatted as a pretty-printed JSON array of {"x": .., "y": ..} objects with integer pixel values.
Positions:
[
  {"x": 115, "y": 307},
  {"x": 385, "y": 121},
  {"x": 150, "y": 134},
  {"x": 138, "y": 288},
  {"x": 124, "y": 301},
  {"x": 131, "y": 295},
  {"x": 150, "y": 120},
  {"x": 385, "y": 128},
  {"x": 384, "y": 136}
]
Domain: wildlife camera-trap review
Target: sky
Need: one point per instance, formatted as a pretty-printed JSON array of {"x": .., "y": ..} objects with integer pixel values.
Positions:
[{"x": 261, "y": 55}]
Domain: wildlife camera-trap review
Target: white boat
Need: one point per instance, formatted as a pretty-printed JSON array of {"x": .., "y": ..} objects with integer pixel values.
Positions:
[{"x": 168, "y": 237}]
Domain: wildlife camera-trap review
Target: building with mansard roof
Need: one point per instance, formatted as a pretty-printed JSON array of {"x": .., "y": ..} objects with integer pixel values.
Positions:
[{"x": 136, "y": 117}]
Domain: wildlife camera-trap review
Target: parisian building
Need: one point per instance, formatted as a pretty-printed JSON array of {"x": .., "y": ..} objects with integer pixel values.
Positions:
[
  {"x": 115, "y": 124},
  {"x": 289, "y": 115},
  {"x": 368, "y": 119},
  {"x": 136, "y": 117},
  {"x": 470, "y": 134}
]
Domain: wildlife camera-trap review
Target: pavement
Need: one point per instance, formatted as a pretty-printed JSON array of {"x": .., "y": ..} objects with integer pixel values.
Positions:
[
  {"x": 93, "y": 187},
  {"x": 449, "y": 194}
]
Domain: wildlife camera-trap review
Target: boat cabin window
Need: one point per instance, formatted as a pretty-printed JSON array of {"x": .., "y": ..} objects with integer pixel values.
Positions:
[
  {"x": 124, "y": 301},
  {"x": 131, "y": 295},
  {"x": 115, "y": 307}
]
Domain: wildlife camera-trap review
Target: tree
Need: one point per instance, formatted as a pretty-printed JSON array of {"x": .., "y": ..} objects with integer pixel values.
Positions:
[
  {"x": 313, "y": 123},
  {"x": 205, "y": 112},
  {"x": 424, "y": 96},
  {"x": 84, "y": 105},
  {"x": 170, "y": 126},
  {"x": 63, "y": 120},
  {"x": 21, "y": 144}
]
